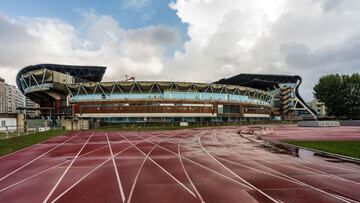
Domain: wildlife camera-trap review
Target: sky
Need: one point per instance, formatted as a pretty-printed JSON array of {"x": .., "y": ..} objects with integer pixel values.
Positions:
[{"x": 184, "y": 40}]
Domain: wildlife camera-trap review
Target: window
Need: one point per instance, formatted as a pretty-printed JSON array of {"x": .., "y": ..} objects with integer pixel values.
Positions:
[
  {"x": 231, "y": 109},
  {"x": 3, "y": 123}
]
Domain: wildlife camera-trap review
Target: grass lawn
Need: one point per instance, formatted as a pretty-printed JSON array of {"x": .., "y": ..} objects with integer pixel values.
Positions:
[
  {"x": 347, "y": 148},
  {"x": 20, "y": 142}
]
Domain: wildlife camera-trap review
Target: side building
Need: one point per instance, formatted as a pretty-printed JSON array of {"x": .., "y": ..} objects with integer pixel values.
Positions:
[{"x": 10, "y": 98}]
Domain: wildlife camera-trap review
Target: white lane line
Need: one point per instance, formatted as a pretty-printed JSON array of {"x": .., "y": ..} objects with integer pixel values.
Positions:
[
  {"x": 186, "y": 173},
  {"x": 116, "y": 170},
  {"x": 169, "y": 174},
  {"x": 48, "y": 169},
  {"x": 345, "y": 199},
  {"x": 67, "y": 169},
  {"x": 338, "y": 197},
  {"x": 23, "y": 166},
  {"x": 264, "y": 172},
  {"x": 183, "y": 167},
  {"x": 252, "y": 168},
  {"x": 138, "y": 173},
  {"x": 255, "y": 188},
  {"x": 86, "y": 175},
  {"x": 318, "y": 171},
  {"x": 294, "y": 180},
  {"x": 204, "y": 167}
]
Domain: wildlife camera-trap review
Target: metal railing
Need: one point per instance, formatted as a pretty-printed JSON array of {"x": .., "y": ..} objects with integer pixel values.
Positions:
[{"x": 13, "y": 131}]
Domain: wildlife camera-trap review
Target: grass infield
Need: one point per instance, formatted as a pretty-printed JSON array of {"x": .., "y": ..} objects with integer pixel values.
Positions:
[
  {"x": 347, "y": 148},
  {"x": 16, "y": 143}
]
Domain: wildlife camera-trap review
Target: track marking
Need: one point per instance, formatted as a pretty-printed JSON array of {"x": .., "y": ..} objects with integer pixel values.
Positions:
[
  {"x": 138, "y": 173},
  {"x": 338, "y": 197},
  {"x": 67, "y": 169},
  {"x": 77, "y": 182},
  {"x": 319, "y": 171},
  {"x": 23, "y": 166},
  {"x": 48, "y": 169},
  {"x": 116, "y": 170},
  {"x": 182, "y": 165},
  {"x": 252, "y": 168},
  {"x": 255, "y": 188},
  {"x": 205, "y": 167},
  {"x": 169, "y": 174},
  {"x": 294, "y": 180},
  {"x": 259, "y": 170},
  {"x": 187, "y": 175}
]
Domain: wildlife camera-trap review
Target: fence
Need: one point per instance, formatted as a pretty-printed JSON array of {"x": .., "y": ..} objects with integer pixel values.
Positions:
[
  {"x": 176, "y": 125},
  {"x": 13, "y": 131}
]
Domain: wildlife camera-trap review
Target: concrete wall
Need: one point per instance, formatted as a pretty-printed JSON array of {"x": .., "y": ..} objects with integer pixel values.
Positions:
[
  {"x": 21, "y": 122},
  {"x": 7, "y": 124},
  {"x": 350, "y": 123},
  {"x": 69, "y": 124},
  {"x": 318, "y": 124}
]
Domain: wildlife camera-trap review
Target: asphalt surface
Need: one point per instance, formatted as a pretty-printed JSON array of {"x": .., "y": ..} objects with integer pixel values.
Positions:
[{"x": 197, "y": 165}]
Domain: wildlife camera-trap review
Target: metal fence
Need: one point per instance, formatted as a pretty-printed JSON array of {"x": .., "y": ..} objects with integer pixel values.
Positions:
[
  {"x": 13, "y": 131},
  {"x": 175, "y": 125}
]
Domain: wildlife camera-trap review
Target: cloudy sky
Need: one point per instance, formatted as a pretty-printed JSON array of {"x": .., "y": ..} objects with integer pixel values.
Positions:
[{"x": 184, "y": 40}]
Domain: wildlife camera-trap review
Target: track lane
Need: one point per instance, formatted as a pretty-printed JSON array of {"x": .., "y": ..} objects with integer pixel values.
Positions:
[{"x": 182, "y": 161}]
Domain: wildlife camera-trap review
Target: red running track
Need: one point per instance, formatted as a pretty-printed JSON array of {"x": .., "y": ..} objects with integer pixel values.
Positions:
[
  {"x": 197, "y": 165},
  {"x": 291, "y": 132}
]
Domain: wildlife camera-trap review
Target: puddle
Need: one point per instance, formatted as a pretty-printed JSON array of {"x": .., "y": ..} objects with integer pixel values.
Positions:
[{"x": 307, "y": 154}]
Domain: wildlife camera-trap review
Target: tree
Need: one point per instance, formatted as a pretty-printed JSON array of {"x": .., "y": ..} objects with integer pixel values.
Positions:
[{"x": 340, "y": 93}]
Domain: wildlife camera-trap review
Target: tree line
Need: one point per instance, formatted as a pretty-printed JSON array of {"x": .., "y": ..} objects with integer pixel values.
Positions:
[{"x": 340, "y": 93}]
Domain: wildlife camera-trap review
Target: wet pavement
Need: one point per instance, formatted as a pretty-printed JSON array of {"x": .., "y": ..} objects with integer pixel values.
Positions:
[
  {"x": 292, "y": 132},
  {"x": 192, "y": 165}
]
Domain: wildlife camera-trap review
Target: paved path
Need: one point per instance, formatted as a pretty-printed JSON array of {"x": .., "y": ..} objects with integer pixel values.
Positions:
[{"x": 197, "y": 165}]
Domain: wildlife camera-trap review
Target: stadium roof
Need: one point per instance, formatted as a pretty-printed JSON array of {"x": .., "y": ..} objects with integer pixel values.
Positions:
[
  {"x": 259, "y": 81},
  {"x": 86, "y": 73}
]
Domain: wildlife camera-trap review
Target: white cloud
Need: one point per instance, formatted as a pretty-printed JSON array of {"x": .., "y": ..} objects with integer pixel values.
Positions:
[
  {"x": 98, "y": 41},
  {"x": 308, "y": 37},
  {"x": 226, "y": 37},
  {"x": 136, "y": 4}
]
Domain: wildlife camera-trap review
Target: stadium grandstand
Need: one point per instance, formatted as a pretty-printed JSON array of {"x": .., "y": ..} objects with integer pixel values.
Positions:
[
  {"x": 287, "y": 102},
  {"x": 78, "y": 92}
]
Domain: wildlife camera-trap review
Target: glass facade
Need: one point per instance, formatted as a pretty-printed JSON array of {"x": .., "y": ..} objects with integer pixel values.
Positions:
[{"x": 196, "y": 96}]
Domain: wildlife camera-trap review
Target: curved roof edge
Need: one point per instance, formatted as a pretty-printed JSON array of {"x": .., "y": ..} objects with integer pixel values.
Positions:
[
  {"x": 88, "y": 73},
  {"x": 262, "y": 81}
]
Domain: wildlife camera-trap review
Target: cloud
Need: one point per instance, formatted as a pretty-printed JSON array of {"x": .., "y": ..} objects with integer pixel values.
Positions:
[
  {"x": 136, "y": 4},
  {"x": 99, "y": 40},
  {"x": 225, "y": 37},
  {"x": 309, "y": 38}
]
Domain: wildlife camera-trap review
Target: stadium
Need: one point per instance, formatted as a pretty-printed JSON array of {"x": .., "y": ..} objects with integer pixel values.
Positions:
[{"x": 78, "y": 92}]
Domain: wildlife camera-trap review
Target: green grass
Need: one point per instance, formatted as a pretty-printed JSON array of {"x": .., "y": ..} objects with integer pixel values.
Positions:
[
  {"x": 347, "y": 148},
  {"x": 16, "y": 143}
]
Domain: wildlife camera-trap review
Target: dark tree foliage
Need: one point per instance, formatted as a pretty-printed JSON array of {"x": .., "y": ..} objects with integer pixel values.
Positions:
[{"x": 340, "y": 93}]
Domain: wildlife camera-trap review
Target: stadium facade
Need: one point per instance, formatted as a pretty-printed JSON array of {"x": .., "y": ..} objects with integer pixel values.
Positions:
[{"x": 78, "y": 92}]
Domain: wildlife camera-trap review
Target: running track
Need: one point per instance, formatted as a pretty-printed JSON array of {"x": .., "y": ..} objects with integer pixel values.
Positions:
[{"x": 197, "y": 165}]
